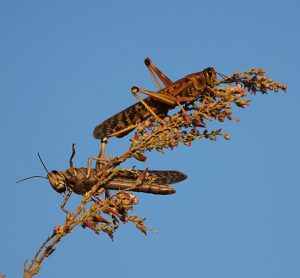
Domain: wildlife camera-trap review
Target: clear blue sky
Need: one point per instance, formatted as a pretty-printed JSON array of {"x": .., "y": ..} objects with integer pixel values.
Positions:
[{"x": 65, "y": 66}]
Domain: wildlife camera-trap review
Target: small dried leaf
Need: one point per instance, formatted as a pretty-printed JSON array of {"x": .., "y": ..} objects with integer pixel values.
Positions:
[
  {"x": 139, "y": 156},
  {"x": 142, "y": 228}
]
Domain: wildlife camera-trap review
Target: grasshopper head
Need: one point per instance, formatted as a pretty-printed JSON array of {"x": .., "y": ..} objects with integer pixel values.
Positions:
[
  {"x": 58, "y": 181},
  {"x": 210, "y": 76}
]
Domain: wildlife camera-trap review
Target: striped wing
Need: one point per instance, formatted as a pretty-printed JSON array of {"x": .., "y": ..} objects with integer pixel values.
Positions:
[
  {"x": 125, "y": 121},
  {"x": 156, "y": 182}
]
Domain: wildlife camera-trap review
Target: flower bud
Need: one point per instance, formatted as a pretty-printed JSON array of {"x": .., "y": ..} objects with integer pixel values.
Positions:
[
  {"x": 226, "y": 136},
  {"x": 139, "y": 156}
]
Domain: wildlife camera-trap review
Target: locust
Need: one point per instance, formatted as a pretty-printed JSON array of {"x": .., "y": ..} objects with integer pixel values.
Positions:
[
  {"x": 157, "y": 104},
  {"x": 81, "y": 180}
]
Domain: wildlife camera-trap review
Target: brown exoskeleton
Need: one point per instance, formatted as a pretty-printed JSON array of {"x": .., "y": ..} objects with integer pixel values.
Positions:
[
  {"x": 81, "y": 180},
  {"x": 157, "y": 103}
]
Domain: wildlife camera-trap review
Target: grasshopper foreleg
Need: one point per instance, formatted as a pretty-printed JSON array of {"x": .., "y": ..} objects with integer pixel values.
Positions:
[
  {"x": 186, "y": 116},
  {"x": 213, "y": 92},
  {"x": 62, "y": 206}
]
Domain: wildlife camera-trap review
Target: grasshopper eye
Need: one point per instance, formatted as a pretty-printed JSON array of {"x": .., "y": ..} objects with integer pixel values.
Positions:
[{"x": 209, "y": 71}]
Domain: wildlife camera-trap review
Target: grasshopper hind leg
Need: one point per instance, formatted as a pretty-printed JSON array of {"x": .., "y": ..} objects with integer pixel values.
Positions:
[
  {"x": 101, "y": 157},
  {"x": 155, "y": 72}
]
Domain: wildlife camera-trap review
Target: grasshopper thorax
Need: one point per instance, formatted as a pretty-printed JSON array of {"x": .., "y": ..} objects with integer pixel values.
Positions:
[{"x": 58, "y": 181}]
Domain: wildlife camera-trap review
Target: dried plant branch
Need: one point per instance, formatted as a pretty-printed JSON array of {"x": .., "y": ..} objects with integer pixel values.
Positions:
[{"x": 151, "y": 135}]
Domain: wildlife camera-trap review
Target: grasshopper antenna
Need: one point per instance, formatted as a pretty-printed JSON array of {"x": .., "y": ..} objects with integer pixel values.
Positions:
[
  {"x": 43, "y": 163},
  {"x": 223, "y": 76},
  {"x": 31, "y": 178}
]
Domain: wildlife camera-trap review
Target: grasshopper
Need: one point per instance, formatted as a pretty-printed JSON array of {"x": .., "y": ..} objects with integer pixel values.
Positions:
[
  {"x": 157, "y": 103},
  {"x": 81, "y": 180}
]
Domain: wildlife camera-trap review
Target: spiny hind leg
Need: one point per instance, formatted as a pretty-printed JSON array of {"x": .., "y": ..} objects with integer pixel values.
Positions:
[
  {"x": 134, "y": 91},
  {"x": 154, "y": 70},
  {"x": 101, "y": 157},
  {"x": 167, "y": 95},
  {"x": 100, "y": 160},
  {"x": 167, "y": 99},
  {"x": 90, "y": 160}
]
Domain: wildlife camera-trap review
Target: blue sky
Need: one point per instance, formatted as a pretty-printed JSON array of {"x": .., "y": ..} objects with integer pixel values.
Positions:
[{"x": 68, "y": 65}]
